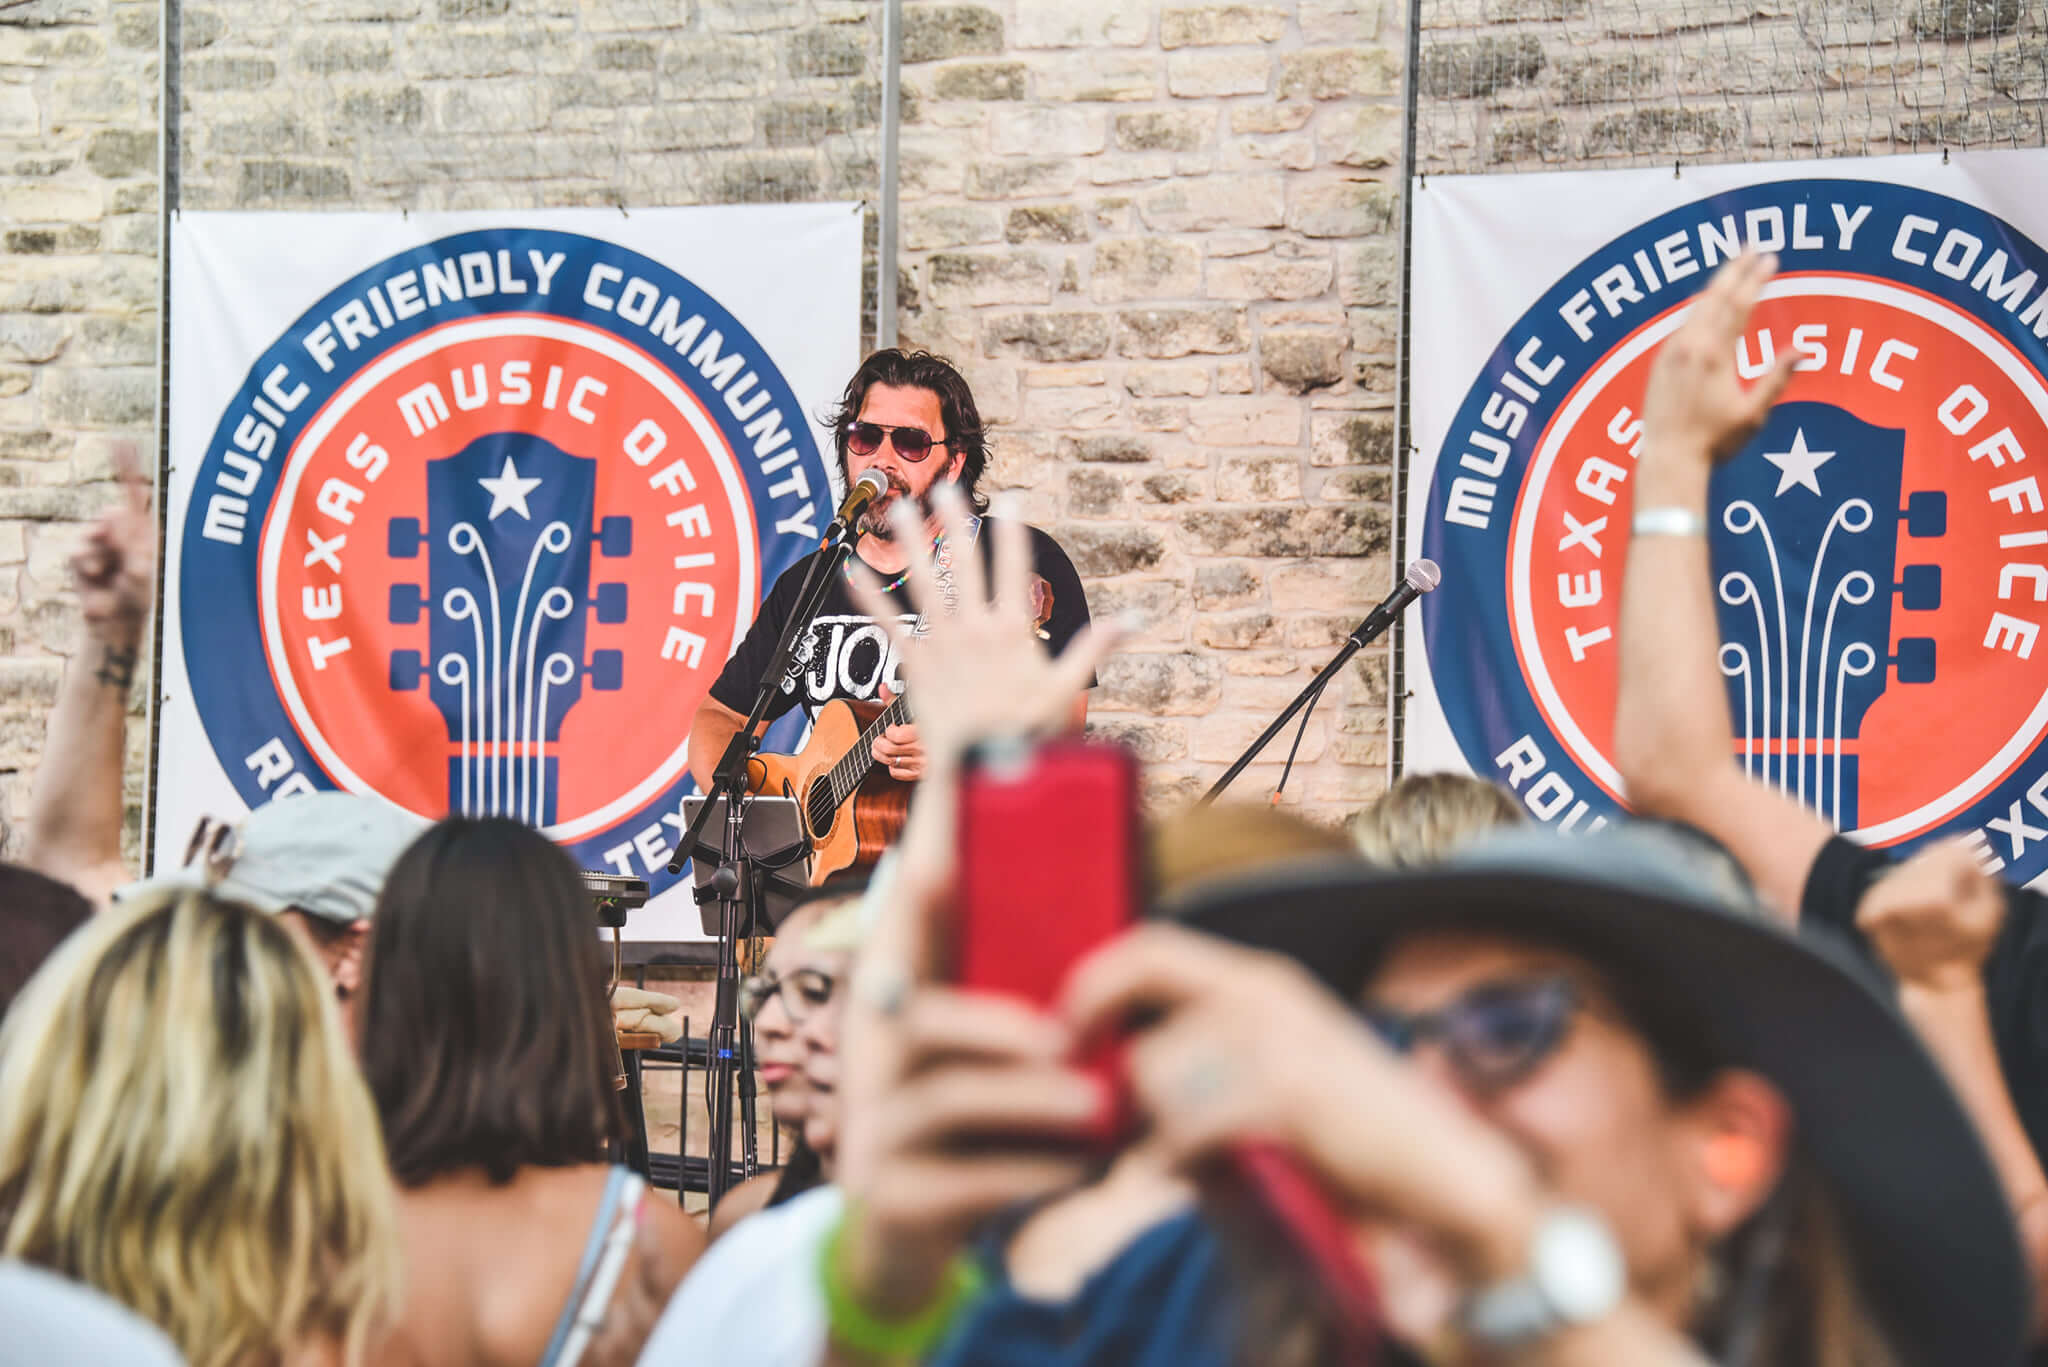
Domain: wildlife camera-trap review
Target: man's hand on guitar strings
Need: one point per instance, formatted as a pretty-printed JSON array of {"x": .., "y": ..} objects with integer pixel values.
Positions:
[{"x": 898, "y": 748}]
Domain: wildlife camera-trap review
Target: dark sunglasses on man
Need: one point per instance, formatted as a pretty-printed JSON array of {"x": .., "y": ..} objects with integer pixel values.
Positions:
[
  {"x": 1494, "y": 1035},
  {"x": 911, "y": 443}
]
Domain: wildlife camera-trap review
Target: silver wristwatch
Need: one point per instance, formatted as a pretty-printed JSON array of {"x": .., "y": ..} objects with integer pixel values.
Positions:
[{"x": 1575, "y": 1276}]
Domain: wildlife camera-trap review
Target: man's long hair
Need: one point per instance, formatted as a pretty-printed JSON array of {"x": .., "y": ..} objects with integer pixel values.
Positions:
[{"x": 922, "y": 370}]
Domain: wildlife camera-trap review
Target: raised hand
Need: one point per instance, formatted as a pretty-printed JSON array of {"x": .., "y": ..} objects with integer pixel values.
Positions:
[
  {"x": 114, "y": 571},
  {"x": 1243, "y": 1045},
  {"x": 977, "y": 668},
  {"x": 1934, "y": 919},
  {"x": 1696, "y": 403}
]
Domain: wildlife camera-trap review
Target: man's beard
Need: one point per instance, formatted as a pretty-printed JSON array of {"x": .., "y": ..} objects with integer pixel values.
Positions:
[{"x": 875, "y": 521}]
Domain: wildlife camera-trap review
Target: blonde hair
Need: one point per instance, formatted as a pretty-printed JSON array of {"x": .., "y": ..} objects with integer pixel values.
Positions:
[
  {"x": 1426, "y": 817},
  {"x": 183, "y": 1126}
]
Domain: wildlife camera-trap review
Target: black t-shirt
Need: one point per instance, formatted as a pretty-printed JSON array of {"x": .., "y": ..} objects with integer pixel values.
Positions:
[
  {"x": 2015, "y": 973},
  {"x": 846, "y": 655}
]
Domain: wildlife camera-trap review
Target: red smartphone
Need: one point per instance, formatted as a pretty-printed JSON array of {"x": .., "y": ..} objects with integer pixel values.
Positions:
[{"x": 1051, "y": 866}]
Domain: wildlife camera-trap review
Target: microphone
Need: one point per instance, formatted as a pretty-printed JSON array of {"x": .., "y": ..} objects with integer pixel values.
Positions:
[
  {"x": 865, "y": 490},
  {"x": 1422, "y": 576}
]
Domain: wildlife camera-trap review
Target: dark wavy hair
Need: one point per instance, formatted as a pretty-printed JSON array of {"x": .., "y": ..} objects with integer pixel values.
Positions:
[
  {"x": 922, "y": 370},
  {"x": 486, "y": 1036}
]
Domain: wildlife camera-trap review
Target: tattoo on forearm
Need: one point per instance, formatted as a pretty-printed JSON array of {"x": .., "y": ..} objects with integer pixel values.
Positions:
[{"x": 117, "y": 667}]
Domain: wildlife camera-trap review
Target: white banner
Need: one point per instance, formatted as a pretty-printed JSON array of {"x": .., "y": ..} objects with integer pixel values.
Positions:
[
  {"x": 1880, "y": 548},
  {"x": 467, "y": 510}
]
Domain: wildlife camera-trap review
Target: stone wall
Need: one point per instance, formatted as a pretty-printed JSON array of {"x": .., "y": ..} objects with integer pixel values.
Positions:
[
  {"x": 1163, "y": 240},
  {"x": 1513, "y": 85},
  {"x": 1161, "y": 237}
]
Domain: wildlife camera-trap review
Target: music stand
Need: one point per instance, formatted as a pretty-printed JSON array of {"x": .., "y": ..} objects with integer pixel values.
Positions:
[{"x": 773, "y": 832}]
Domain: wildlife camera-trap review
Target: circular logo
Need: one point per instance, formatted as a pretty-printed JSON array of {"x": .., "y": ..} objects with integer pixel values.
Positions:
[
  {"x": 479, "y": 531},
  {"x": 1880, "y": 548}
]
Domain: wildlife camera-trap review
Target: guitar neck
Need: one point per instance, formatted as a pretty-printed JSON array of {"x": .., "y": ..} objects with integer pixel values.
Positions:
[{"x": 854, "y": 766}]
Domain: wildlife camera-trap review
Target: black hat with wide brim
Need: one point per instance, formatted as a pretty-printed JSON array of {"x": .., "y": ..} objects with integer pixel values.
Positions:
[{"x": 1934, "y": 1241}]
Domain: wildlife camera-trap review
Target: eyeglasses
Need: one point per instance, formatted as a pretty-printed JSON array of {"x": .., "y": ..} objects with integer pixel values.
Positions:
[
  {"x": 1494, "y": 1035},
  {"x": 911, "y": 443},
  {"x": 802, "y": 992}
]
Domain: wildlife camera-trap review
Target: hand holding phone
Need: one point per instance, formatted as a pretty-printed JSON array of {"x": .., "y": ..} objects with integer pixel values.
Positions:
[{"x": 1050, "y": 868}]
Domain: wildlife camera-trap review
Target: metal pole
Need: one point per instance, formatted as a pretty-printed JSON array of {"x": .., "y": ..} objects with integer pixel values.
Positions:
[
  {"x": 1397, "y": 675},
  {"x": 885, "y": 248},
  {"x": 169, "y": 94}
]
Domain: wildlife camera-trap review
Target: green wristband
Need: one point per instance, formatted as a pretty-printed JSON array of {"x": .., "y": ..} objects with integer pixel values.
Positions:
[{"x": 909, "y": 1339}]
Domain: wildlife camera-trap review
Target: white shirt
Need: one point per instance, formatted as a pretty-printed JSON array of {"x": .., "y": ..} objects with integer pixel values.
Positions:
[
  {"x": 754, "y": 1297},
  {"x": 52, "y": 1321}
]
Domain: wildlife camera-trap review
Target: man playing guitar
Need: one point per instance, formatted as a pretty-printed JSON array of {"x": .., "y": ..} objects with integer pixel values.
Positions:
[{"x": 911, "y": 416}]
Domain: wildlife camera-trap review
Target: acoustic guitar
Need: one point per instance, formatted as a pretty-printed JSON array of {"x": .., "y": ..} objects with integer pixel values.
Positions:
[{"x": 852, "y": 809}]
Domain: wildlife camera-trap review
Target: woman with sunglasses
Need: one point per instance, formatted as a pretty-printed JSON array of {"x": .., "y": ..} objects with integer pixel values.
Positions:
[
  {"x": 1630, "y": 1119},
  {"x": 792, "y": 1004},
  {"x": 909, "y": 416}
]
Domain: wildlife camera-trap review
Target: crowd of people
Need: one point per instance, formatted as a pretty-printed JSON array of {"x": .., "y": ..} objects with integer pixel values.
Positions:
[{"x": 1711, "y": 1085}]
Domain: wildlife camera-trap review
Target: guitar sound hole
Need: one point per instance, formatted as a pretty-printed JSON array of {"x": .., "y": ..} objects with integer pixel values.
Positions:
[{"x": 819, "y": 808}]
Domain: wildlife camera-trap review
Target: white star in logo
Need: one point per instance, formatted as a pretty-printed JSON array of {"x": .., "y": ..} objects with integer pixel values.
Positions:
[
  {"x": 509, "y": 491},
  {"x": 1798, "y": 465}
]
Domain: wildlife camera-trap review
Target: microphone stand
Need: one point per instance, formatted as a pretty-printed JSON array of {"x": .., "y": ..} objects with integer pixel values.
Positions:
[
  {"x": 1366, "y": 633},
  {"x": 737, "y": 886}
]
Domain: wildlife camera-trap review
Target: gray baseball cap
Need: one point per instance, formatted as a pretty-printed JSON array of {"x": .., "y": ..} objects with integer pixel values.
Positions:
[{"x": 325, "y": 854}]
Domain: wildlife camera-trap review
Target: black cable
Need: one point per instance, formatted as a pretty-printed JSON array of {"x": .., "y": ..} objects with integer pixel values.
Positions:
[{"x": 1300, "y": 732}]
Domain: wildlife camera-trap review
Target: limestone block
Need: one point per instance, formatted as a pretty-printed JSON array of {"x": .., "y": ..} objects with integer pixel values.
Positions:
[
  {"x": 1168, "y": 333},
  {"x": 1196, "y": 74},
  {"x": 1274, "y": 531},
  {"x": 1160, "y": 685},
  {"x": 20, "y": 114},
  {"x": 1341, "y": 208},
  {"x": 933, "y": 33},
  {"x": 1323, "y": 585},
  {"x": 1237, "y": 631},
  {"x": 1338, "y": 21},
  {"x": 1098, "y": 552},
  {"x": 1340, "y": 73},
  {"x": 1250, "y": 201},
  {"x": 1361, "y": 135},
  {"x": 1083, "y": 23},
  {"x": 29, "y": 202},
  {"x": 1479, "y": 66},
  {"x": 1236, "y": 377},
  {"x": 1146, "y": 268},
  {"x": 1216, "y": 25},
  {"x": 1170, "y": 489},
  {"x": 1245, "y": 422},
  {"x": 1225, "y": 585},
  {"x": 1268, "y": 276},
  {"x": 326, "y": 54},
  {"x": 1259, "y": 478},
  {"x": 1096, "y": 76},
  {"x": 97, "y": 397},
  {"x": 1152, "y": 741},
  {"x": 1047, "y": 223},
  {"x": 1166, "y": 130},
  {"x": 926, "y": 226},
  {"x": 1094, "y": 493},
  {"x": 1155, "y": 381},
  {"x": 1042, "y": 131},
  {"x": 980, "y": 81},
  {"x": 824, "y": 52},
  {"x": 1301, "y": 361},
  {"x": 1351, "y": 439},
  {"x": 1037, "y": 178},
  {"x": 1284, "y": 117},
  {"x": 1109, "y": 450},
  {"x": 1048, "y": 336}
]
